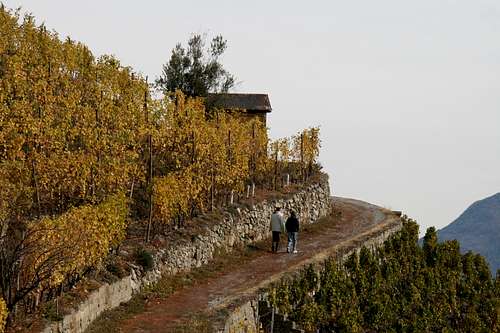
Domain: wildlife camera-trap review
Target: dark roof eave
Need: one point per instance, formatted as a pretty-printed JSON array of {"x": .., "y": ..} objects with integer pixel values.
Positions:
[
  {"x": 250, "y": 102},
  {"x": 259, "y": 110}
]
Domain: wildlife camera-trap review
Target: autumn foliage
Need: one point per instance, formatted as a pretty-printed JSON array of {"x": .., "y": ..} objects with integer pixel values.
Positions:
[
  {"x": 84, "y": 149},
  {"x": 91, "y": 231},
  {"x": 71, "y": 131},
  {"x": 3, "y": 315}
]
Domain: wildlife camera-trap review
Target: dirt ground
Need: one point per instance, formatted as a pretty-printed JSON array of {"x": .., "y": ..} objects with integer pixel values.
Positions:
[{"x": 167, "y": 314}]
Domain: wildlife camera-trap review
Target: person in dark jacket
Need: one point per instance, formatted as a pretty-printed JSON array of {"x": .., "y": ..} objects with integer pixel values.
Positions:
[{"x": 292, "y": 228}]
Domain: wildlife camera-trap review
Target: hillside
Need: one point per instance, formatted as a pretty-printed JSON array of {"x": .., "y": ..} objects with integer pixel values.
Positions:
[
  {"x": 478, "y": 230},
  {"x": 214, "y": 291},
  {"x": 91, "y": 157}
]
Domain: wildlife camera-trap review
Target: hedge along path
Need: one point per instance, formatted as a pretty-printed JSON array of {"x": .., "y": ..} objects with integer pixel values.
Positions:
[{"x": 358, "y": 222}]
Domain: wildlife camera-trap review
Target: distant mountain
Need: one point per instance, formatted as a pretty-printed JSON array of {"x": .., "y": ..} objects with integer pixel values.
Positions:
[{"x": 478, "y": 230}]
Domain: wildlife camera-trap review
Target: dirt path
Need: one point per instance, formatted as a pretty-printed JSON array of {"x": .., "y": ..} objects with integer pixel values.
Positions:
[{"x": 358, "y": 219}]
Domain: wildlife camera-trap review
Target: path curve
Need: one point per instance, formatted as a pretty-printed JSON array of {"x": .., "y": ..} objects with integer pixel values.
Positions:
[{"x": 358, "y": 218}]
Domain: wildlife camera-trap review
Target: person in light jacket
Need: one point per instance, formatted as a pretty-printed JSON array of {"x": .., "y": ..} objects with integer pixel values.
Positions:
[
  {"x": 277, "y": 226},
  {"x": 292, "y": 228}
]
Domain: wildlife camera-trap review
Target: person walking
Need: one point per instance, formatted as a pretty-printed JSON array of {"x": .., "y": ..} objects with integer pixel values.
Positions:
[
  {"x": 277, "y": 226},
  {"x": 292, "y": 228}
]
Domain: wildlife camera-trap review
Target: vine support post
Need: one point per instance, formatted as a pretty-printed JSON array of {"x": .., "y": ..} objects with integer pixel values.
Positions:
[
  {"x": 229, "y": 143},
  {"x": 253, "y": 160},
  {"x": 146, "y": 102},
  {"x": 37, "y": 191},
  {"x": 272, "y": 320},
  {"x": 193, "y": 148},
  {"x": 275, "y": 169},
  {"x": 150, "y": 166},
  {"x": 150, "y": 188},
  {"x": 132, "y": 188},
  {"x": 212, "y": 192},
  {"x": 302, "y": 156}
]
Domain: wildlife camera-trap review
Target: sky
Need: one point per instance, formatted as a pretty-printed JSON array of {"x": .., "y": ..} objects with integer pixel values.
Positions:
[{"x": 407, "y": 93}]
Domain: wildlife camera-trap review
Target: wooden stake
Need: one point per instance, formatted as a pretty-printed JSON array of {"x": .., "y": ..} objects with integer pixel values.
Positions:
[
  {"x": 150, "y": 167},
  {"x": 150, "y": 182},
  {"x": 229, "y": 144},
  {"x": 37, "y": 191},
  {"x": 146, "y": 103},
  {"x": 193, "y": 151},
  {"x": 132, "y": 188},
  {"x": 272, "y": 321},
  {"x": 254, "y": 158},
  {"x": 275, "y": 168},
  {"x": 212, "y": 191},
  {"x": 302, "y": 156}
]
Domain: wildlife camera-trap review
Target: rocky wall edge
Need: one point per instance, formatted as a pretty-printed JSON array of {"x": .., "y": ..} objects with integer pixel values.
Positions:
[
  {"x": 243, "y": 315},
  {"x": 243, "y": 226}
]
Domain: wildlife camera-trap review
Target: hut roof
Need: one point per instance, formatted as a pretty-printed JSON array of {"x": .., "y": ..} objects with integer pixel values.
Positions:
[{"x": 249, "y": 102}]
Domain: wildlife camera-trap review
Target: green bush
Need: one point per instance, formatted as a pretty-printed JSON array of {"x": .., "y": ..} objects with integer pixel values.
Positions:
[
  {"x": 397, "y": 287},
  {"x": 50, "y": 312},
  {"x": 145, "y": 259}
]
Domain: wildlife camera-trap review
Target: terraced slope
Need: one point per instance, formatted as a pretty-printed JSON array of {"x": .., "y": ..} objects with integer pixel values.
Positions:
[{"x": 357, "y": 223}]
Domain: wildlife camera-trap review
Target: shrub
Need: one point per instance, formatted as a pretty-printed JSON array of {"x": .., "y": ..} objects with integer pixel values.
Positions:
[
  {"x": 50, "y": 312},
  {"x": 145, "y": 259}
]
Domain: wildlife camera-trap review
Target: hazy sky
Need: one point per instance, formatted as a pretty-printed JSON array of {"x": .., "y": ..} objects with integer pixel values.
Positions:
[{"x": 407, "y": 93}]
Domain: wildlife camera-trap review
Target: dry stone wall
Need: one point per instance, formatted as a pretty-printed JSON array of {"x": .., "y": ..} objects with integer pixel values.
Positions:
[
  {"x": 251, "y": 314},
  {"x": 240, "y": 226}
]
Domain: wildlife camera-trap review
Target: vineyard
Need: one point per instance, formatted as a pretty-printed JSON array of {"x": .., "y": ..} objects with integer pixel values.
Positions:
[
  {"x": 396, "y": 288},
  {"x": 85, "y": 150}
]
